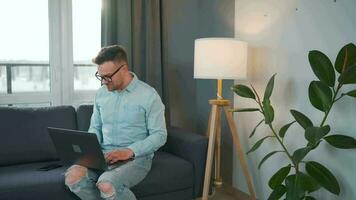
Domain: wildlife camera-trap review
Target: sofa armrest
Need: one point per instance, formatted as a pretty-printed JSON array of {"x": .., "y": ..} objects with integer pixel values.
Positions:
[{"x": 191, "y": 147}]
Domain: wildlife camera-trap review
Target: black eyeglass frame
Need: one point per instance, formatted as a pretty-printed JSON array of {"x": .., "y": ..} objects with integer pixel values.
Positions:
[{"x": 108, "y": 78}]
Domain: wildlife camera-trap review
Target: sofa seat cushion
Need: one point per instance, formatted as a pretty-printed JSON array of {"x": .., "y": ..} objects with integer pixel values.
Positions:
[
  {"x": 169, "y": 173},
  {"x": 26, "y": 182}
]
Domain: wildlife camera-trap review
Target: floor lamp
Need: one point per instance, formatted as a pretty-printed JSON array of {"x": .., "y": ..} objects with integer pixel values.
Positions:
[{"x": 221, "y": 58}]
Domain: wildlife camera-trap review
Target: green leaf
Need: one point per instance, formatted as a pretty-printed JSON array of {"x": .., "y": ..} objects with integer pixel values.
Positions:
[
  {"x": 320, "y": 95},
  {"x": 341, "y": 57},
  {"x": 351, "y": 93},
  {"x": 257, "y": 144},
  {"x": 348, "y": 76},
  {"x": 278, "y": 192},
  {"x": 284, "y": 129},
  {"x": 298, "y": 184},
  {"x": 268, "y": 111},
  {"x": 323, "y": 176},
  {"x": 245, "y": 110},
  {"x": 279, "y": 177},
  {"x": 315, "y": 134},
  {"x": 303, "y": 120},
  {"x": 313, "y": 145},
  {"x": 309, "y": 184},
  {"x": 269, "y": 88},
  {"x": 341, "y": 141},
  {"x": 254, "y": 130},
  {"x": 322, "y": 67},
  {"x": 299, "y": 154},
  {"x": 266, "y": 157},
  {"x": 310, "y": 198},
  {"x": 243, "y": 91},
  {"x": 294, "y": 186}
]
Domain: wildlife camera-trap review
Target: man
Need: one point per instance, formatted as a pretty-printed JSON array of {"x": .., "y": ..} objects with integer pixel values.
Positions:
[{"x": 128, "y": 119}]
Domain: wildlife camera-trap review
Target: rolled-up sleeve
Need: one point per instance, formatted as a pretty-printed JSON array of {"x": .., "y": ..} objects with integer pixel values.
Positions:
[{"x": 156, "y": 126}]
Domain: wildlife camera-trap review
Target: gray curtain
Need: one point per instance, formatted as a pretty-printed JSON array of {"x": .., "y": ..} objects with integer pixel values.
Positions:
[{"x": 136, "y": 24}]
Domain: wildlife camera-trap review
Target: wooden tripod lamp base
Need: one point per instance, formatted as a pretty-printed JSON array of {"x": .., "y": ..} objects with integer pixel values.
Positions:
[
  {"x": 221, "y": 58},
  {"x": 213, "y": 126}
]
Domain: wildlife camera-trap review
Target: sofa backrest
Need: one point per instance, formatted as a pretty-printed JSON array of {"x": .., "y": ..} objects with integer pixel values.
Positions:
[
  {"x": 84, "y": 113},
  {"x": 24, "y": 136}
]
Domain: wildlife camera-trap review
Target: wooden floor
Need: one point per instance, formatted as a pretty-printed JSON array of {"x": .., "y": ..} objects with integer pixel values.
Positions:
[
  {"x": 221, "y": 195},
  {"x": 227, "y": 193}
]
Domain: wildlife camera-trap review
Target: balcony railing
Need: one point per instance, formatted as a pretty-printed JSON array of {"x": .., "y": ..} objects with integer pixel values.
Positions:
[{"x": 10, "y": 66}]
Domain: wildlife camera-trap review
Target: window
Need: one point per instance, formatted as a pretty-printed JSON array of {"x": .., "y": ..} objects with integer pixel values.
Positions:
[
  {"x": 24, "y": 48},
  {"x": 3, "y": 84},
  {"x": 29, "y": 77},
  {"x": 86, "y": 42},
  {"x": 46, "y": 51}
]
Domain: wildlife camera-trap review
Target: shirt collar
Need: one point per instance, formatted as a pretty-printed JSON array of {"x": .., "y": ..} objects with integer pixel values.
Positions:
[{"x": 133, "y": 83}]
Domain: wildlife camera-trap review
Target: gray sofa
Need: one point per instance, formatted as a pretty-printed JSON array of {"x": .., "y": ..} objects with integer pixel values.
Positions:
[{"x": 177, "y": 171}]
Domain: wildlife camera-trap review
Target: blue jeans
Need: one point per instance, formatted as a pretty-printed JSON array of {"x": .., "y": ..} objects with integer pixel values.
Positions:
[{"x": 121, "y": 178}]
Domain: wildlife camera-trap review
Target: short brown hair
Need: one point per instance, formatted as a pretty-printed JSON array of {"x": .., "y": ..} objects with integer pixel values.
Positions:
[{"x": 111, "y": 53}]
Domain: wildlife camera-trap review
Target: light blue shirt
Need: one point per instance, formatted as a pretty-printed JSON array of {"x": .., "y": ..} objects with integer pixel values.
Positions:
[{"x": 132, "y": 118}]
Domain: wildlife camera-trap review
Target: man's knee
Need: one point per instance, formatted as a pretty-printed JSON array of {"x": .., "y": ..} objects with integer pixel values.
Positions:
[
  {"x": 75, "y": 174},
  {"x": 106, "y": 188}
]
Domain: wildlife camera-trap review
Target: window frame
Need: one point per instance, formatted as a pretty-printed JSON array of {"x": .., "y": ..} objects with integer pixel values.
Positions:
[{"x": 61, "y": 66}]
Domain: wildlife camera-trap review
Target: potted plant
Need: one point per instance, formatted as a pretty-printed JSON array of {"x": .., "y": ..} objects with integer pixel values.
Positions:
[{"x": 301, "y": 177}]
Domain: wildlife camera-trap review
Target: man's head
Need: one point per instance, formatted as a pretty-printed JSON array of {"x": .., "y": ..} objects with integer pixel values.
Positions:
[{"x": 112, "y": 67}]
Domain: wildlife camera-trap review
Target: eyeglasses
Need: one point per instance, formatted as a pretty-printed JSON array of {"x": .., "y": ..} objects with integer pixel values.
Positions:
[{"x": 108, "y": 78}]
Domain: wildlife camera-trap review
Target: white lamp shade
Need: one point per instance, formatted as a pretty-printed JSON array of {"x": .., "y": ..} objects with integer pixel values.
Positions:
[{"x": 220, "y": 58}]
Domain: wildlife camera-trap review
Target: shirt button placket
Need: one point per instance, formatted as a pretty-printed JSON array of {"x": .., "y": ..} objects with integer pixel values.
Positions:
[{"x": 118, "y": 110}]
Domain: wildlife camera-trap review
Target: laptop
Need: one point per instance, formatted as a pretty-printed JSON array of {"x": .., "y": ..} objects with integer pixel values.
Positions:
[{"x": 79, "y": 147}]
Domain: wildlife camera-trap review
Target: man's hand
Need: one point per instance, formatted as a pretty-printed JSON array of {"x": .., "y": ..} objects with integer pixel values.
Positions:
[{"x": 118, "y": 155}]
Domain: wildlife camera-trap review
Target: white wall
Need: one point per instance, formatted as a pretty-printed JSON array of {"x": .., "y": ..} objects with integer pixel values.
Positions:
[{"x": 280, "y": 33}]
